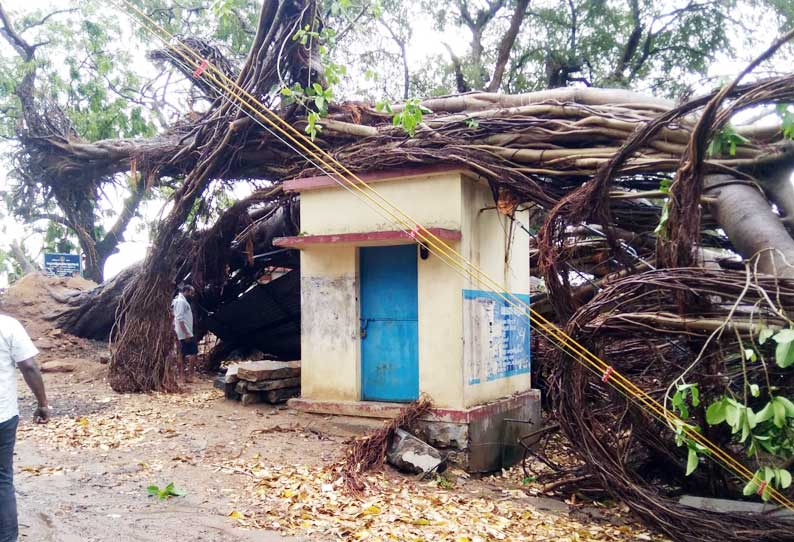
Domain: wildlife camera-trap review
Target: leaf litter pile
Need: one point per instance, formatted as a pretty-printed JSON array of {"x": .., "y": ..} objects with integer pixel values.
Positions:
[
  {"x": 315, "y": 501},
  {"x": 300, "y": 500},
  {"x": 118, "y": 426}
]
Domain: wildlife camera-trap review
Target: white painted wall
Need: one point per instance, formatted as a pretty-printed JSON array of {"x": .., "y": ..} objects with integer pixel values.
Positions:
[{"x": 329, "y": 286}]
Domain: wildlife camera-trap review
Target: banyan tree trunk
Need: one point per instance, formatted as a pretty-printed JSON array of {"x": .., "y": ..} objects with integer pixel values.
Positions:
[
  {"x": 92, "y": 314},
  {"x": 742, "y": 210}
]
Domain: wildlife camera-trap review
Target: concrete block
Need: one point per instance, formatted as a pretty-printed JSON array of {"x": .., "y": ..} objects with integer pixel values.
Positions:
[
  {"x": 409, "y": 454},
  {"x": 267, "y": 385},
  {"x": 493, "y": 438},
  {"x": 254, "y": 371},
  {"x": 444, "y": 434},
  {"x": 727, "y": 506},
  {"x": 280, "y": 395},
  {"x": 460, "y": 458}
]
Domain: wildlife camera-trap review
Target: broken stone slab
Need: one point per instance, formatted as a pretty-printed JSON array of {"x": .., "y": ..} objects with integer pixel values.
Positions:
[
  {"x": 728, "y": 506},
  {"x": 280, "y": 395},
  {"x": 267, "y": 385},
  {"x": 412, "y": 455},
  {"x": 57, "y": 367},
  {"x": 254, "y": 371},
  {"x": 231, "y": 374}
]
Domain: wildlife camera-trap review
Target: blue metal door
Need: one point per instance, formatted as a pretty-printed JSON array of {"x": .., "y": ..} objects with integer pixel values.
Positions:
[{"x": 389, "y": 328}]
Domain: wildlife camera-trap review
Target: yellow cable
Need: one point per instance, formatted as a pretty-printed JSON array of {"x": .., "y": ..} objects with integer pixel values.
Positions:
[{"x": 428, "y": 238}]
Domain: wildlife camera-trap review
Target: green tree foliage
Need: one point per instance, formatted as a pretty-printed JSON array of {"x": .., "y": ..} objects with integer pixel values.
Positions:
[
  {"x": 660, "y": 47},
  {"x": 89, "y": 61}
]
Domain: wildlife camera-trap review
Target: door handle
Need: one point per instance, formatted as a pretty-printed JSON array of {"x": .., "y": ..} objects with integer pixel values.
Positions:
[{"x": 364, "y": 324}]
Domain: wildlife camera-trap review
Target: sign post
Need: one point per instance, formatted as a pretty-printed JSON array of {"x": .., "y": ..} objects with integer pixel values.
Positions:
[{"x": 62, "y": 265}]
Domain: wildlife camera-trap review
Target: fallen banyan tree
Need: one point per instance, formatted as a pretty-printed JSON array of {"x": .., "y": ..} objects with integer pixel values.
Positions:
[{"x": 635, "y": 194}]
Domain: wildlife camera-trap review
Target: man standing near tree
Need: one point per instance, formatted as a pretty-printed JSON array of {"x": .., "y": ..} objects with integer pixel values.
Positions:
[
  {"x": 183, "y": 325},
  {"x": 16, "y": 351}
]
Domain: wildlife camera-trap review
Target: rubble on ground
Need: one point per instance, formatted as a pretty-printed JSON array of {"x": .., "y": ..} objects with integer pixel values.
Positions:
[
  {"x": 262, "y": 381},
  {"x": 412, "y": 455}
]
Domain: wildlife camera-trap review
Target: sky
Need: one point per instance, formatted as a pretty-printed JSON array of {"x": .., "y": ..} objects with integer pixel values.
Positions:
[{"x": 426, "y": 42}]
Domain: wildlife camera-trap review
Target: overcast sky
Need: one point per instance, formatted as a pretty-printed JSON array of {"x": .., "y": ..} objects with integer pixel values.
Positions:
[{"x": 426, "y": 42}]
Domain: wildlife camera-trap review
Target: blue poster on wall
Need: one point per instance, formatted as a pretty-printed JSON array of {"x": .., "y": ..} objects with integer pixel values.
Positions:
[
  {"x": 61, "y": 265},
  {"x": 496, "y": 337}
]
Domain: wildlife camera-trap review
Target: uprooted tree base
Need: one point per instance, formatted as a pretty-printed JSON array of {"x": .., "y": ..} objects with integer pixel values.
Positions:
[{"x": 637, "y": 324}]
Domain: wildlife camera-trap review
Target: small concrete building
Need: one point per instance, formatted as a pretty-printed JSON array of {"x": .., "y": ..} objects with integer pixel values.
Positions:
[{"x": 385, "y": 320}]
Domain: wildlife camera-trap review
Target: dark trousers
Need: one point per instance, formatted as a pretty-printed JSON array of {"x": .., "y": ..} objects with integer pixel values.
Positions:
[{"x": 8, "y": 501}]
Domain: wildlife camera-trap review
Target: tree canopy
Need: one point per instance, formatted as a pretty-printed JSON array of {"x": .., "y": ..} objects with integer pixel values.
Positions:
[{"x": 78, "y": 69}]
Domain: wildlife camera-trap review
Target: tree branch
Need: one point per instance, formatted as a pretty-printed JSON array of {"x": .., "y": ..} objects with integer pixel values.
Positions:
[
  {"x": 47, "y": 17},
  {"x": 404, "y": 55},
  {"x": 506, "y": 45},
  {"x": 618, "y": 74},
  {"x": 460, "y": 80},
  {"x": 52, "y": 218},
  {"x": 20, "y": 45}
]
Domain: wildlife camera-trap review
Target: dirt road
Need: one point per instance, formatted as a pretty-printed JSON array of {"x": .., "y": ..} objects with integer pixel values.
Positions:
[
  {"x": 254, "y": 474},
  {"x": 85, "y": 476},
  {"x": 250, "y": 474}
]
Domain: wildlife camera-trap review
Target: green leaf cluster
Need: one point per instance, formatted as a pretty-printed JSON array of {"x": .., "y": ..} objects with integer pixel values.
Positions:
[
  {"x": 165, "y": 493},
  {"x": 411, "y": 116},
  {"x": 726, "y": 141}
]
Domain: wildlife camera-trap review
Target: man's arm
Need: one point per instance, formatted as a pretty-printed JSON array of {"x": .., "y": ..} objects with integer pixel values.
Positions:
[
  {"x": 185, "y": 330},
  {"x": 32, "y": 375},
  {"x": 180, "y": 312}
]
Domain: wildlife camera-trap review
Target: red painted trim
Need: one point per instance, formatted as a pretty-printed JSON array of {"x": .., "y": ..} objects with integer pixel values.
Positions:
[
  {"x": 325, "y": 181},
  {"x": 361, "y": 238}
]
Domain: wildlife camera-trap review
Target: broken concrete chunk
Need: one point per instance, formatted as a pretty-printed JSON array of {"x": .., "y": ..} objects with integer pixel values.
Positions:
[
  {"x": 409, "y": 454},
  {"x": 254, "y": 371}
]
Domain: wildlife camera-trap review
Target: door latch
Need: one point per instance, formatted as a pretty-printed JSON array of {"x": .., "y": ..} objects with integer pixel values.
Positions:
[{"x": 364, "y": 324}]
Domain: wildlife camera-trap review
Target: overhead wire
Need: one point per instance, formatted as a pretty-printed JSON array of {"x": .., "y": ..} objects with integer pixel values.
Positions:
[{"x": 281, "y": 129}]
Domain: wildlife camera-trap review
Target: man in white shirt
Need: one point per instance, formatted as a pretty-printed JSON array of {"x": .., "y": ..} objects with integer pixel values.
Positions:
[
  {"x": 16, "y": 352},
  {"x": 183, "y": 325}
]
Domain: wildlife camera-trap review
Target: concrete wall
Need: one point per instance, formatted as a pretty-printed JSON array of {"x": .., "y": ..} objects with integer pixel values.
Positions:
[
  {"x": 440, "y": 332},
  {"x": 433, "y": 201},
  {"x": 501, "y": 250},
  {"x": 329, "y": 324},
  {"x": 330, "y": 339}
]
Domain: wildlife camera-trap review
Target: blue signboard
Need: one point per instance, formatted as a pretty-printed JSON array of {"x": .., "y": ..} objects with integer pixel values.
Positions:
[
  {"x": 496, "y": 335},
  {"x": 61, "y": 265}
]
